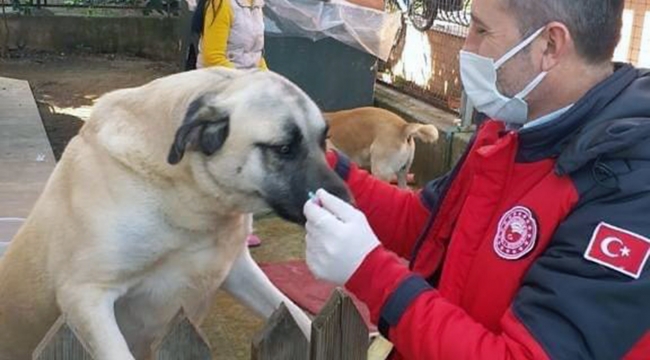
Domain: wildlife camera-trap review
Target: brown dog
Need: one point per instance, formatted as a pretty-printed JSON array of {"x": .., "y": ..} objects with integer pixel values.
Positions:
[{"x": 378, "y": 140}]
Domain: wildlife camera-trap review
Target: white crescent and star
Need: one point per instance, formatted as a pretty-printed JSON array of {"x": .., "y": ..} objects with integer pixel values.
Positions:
[{"x": 604, "y": 247}]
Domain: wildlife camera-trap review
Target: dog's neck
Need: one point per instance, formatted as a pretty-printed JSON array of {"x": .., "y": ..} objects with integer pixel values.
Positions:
[
  {"x": 187, "y": 209},
  {"x": 201, "y": 201}
]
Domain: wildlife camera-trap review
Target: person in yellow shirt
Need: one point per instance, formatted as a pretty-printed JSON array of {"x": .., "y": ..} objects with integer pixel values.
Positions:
[{"x": 230, "y": 33}]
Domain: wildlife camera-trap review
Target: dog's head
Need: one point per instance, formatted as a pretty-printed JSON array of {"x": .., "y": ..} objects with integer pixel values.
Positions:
[{"x": 257, "y": 142}]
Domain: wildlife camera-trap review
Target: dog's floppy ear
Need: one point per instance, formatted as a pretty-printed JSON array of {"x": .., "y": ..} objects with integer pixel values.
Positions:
[{"x": 205, "y": 128}]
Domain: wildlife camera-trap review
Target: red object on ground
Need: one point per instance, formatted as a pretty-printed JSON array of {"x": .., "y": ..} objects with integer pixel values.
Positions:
[{"x": 295, "y": 280}]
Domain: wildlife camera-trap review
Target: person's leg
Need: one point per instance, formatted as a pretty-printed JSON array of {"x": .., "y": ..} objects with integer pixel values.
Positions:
[{"x": 252, "y": 240}]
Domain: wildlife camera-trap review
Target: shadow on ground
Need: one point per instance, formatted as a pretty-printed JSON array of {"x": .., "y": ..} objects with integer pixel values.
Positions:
[{"x": 60, "y": 127}]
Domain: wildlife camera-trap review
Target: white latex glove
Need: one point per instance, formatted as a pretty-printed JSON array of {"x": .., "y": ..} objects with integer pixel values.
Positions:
[{"x": 338, "y": 238}]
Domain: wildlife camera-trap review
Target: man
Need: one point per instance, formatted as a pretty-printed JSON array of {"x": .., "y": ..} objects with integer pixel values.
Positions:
[{"x": 535, "y": 245}]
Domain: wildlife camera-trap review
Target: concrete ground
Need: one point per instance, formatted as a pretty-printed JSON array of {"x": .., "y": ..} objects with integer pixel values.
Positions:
[{"x": 65, "y": 88}]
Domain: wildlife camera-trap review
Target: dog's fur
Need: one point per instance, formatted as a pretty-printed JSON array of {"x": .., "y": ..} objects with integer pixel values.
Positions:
[
  {"x": 378, "y": 140},
  {"x": 127, "y": 231}
]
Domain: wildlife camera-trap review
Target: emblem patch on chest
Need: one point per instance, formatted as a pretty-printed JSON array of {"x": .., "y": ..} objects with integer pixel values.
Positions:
[{"x": 516, "y": 233}]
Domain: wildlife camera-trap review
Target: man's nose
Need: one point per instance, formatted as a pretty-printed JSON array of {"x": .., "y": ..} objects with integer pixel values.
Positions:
[{"x": 470, "y": 44}]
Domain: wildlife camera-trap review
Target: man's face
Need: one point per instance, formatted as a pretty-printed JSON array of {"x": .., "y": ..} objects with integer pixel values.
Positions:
[{"x": 492, "y": 33}]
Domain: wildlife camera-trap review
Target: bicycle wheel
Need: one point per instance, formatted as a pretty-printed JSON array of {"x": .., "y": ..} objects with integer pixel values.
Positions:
[{"x": 422, "y": 13}]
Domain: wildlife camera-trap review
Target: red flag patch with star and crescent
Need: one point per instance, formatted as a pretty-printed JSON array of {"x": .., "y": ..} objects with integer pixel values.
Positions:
[{"x": 618, "y": 249}]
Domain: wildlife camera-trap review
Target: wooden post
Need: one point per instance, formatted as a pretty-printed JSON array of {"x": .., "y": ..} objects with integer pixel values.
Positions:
[
  {"x": 467, "y": 115},
  {"x": 61, "y": 343},
  {"x": 182, "y": 341},
  {"x": 379, "y": 349},
  {"x": 280, "y": 339},
  {"x": 339, "y": 331}
]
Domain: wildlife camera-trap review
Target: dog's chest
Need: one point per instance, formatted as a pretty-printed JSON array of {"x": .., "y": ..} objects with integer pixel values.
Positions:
[
  {"x": 195, "y": 265},
  {"x": 187, "y": 275}
]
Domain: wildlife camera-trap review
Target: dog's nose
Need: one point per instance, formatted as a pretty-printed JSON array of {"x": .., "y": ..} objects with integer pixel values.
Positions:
[
  {"x": 336, "y": 186},
  {"x": 342, "y": 192}
]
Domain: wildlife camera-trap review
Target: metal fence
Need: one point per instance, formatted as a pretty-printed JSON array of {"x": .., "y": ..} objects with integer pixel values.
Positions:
[
  {"x": 635, "y": 37},
  {"x": 452, "y": 14},
  {"x": 425, "y": 64}
]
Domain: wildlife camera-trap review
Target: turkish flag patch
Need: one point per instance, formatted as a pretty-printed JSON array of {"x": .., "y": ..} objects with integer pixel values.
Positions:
[{"x": 618, "y": 249}]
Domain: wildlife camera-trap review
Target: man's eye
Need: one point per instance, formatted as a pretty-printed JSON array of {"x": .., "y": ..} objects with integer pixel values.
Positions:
[{"x": 477, "y": 28}]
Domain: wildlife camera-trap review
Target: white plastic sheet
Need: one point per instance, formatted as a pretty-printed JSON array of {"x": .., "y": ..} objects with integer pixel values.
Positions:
[{"x": 366, "y": 29}]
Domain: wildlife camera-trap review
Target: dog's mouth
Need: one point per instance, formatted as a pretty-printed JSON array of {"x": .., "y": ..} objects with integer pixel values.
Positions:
[
  {"x": 288, "y": 206},
  {"x": 296, "y": 217},
  {"x": 292, "y": 209},
  {"x": 287, "y": 192}
]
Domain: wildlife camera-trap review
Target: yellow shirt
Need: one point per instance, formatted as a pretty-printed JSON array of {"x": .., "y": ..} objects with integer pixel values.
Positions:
[{"x": 216, "y": 31}]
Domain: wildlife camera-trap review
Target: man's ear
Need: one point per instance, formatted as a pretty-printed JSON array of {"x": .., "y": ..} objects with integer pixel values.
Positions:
[
  {"x": 205, "y": 128},
  {"x": 559, "y": 41}
]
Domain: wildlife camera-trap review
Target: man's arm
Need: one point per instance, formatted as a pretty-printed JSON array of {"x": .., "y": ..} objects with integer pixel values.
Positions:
[
  {"x": 397, "y": 216},
  {"x": 568, "y": 307}
]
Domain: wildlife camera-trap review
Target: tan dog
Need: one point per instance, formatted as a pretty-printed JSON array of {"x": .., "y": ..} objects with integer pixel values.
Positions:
[
  {"x": 378, "y": 140},
  {"x": 127, "y": 231}
]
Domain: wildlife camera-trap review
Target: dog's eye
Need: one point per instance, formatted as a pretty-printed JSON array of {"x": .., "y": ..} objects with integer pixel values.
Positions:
[{"x": 283, "y": 150}]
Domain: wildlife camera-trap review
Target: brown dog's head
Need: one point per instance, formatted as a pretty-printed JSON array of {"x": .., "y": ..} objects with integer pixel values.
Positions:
[{"x": 256, "y": 142}]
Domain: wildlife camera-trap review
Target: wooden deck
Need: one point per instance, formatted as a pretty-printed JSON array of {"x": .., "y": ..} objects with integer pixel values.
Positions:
[{"x": 26, "y": 158}]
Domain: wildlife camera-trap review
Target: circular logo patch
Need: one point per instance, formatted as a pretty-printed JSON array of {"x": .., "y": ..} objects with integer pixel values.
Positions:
[{"x": 516, "y": 234}]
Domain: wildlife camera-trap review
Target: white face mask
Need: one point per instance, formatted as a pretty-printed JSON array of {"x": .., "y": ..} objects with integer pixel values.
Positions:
[{"x": 479, "y": 77}]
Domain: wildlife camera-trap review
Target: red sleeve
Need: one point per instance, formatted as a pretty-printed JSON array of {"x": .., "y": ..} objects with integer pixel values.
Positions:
[
  {"x": 423, "y": 325},
  {"x": 397, "y": 216}
]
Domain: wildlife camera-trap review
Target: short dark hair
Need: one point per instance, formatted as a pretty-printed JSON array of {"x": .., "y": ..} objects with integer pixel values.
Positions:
[{"x": 595, "y": 25}]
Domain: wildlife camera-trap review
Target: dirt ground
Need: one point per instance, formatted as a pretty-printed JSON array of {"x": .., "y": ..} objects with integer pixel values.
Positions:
[{"x": 65, "y": 88}]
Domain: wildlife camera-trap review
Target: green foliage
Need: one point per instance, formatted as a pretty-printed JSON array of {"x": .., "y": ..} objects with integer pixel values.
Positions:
[
  {"x": 165, "y": 7},
  {"x": 22, "y": 7}
]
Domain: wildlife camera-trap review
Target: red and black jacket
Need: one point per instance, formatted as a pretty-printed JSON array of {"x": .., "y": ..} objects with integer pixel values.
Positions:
[{"x": 501, "y": 250}]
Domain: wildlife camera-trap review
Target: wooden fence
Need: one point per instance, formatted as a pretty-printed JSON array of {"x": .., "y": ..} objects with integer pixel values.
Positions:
[
  {"x": 182, "y": 340},
  {"x": 338, "y": 333}
]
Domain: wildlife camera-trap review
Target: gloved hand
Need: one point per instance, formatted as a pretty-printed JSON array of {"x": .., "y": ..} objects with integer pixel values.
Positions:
[{"x": 338, "y": 238}]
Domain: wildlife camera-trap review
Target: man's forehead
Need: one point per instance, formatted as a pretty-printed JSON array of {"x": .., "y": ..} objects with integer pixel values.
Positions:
[
  {"x": 489, "y": 11},
  {"x": 497, "y": 17}
]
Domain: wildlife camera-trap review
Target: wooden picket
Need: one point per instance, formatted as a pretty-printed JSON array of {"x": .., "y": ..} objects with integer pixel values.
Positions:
[
  {"x": 280, "y": 339},
  {"x": 338, "y": 332},
  {"x": 182, "y": 341},
  {"x": 61, "y": 343}
]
